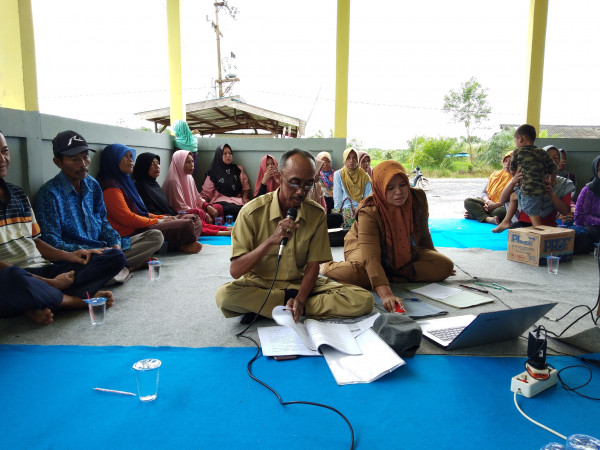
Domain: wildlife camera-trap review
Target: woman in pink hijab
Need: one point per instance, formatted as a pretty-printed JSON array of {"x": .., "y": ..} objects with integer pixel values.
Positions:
[
  {"x": 265, "y": 181},
  {"x": 364, "y": 162},
  {"x": 180, "y": 189}
]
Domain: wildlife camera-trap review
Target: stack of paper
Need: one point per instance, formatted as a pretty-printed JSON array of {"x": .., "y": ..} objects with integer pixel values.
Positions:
[{"x": 354, "y": 353}]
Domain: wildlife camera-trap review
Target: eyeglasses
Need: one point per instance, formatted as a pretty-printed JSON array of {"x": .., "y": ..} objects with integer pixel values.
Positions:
[{"x": 307, "y": 186}]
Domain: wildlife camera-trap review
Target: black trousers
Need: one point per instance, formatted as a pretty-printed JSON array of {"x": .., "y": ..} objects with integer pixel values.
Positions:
[{"x": 20, "y": 290}]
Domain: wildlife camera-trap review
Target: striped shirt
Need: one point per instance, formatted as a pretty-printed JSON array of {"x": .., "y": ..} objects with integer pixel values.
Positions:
[{"x": 18, "y": 229}]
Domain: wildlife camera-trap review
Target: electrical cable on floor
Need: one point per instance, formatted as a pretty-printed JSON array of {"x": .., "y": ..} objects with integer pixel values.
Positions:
[
  {"x": 473, "y": 279},
  {"x": 568, "y": 388},
  {"x": 535, "y": 422},
  {"x": 589, "y": 311},
  {"x": 257, "y": 355}
]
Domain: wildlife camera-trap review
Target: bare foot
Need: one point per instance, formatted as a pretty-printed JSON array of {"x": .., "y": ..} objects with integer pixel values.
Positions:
[
  {"x": 62, "y": 281},
  {"x": 493, "y": 220},
  {"x": 224, "y": 233},
  {"x": 43, "y": 316},
  {"x": 108, "y": 295},
  {"x": 72, "y": 302},
  {"x": 501, "y": 227},
  {"x": 193, "y": 247}
]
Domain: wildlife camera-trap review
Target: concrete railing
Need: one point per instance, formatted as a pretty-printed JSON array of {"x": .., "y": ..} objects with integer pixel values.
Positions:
[{"x": 29, "y": 136}]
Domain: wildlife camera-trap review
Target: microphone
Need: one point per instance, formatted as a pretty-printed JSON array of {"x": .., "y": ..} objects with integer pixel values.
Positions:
[{"x": 292, "y": 213}]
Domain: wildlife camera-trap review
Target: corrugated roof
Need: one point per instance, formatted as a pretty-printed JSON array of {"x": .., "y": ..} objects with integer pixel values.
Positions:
[
  {"x": 228, "y": 115},
  {"x": 565, "y": 131}
]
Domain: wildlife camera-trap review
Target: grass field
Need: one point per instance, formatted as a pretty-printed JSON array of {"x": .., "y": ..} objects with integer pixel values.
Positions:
[{"x": 460, "y": 168}]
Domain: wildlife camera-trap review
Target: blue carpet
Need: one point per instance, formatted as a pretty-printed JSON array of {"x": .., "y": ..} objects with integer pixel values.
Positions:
[
  {"x": 457, "y": 233},
  {"x": 206, "y": 400},
  {"x": 215, "y": 240},
  {"x": 465, "y": 233}
]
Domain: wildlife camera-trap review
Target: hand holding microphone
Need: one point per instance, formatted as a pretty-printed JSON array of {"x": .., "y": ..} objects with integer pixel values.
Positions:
[{"x": 287, "y": 228}]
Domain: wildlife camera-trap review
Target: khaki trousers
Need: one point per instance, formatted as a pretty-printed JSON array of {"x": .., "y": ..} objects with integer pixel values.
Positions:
[
  {"x": 327, "y": 299},
  {"x": 430, "y": 266}
]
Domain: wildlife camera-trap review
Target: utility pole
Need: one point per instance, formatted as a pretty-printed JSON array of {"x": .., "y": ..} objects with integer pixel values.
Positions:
[{"x": 233, "y": 11}]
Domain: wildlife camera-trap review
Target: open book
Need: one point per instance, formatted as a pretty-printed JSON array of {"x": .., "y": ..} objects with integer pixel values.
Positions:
[
  {"x": 306, "y": 338},
  {"x": 353, "y": 351}
]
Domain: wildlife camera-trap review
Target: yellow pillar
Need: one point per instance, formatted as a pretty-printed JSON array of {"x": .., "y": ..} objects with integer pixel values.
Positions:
[
  {"x": 536, "y": 44},
  {"x": 341, "y": 69},
  {"x": 174, "y": 38},
  {"x": 18, "y": 78}
]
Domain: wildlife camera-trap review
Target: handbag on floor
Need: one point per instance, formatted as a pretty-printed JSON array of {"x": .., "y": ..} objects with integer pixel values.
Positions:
[{"x": 347, "y": 213}]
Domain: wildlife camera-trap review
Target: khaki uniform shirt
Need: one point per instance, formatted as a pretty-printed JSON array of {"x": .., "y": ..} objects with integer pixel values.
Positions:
[
  {"x": 363, "y": 243},
  {"x": 258, "y": 220}
]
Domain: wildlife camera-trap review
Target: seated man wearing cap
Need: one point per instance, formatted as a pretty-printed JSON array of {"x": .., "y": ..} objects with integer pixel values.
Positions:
[
  {"x": 29, "y": 283},
  {"x": 72, "y": 213}
]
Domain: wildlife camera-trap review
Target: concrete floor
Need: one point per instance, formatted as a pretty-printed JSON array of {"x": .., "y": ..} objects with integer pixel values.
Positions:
[{"x": 179, "y": 309}]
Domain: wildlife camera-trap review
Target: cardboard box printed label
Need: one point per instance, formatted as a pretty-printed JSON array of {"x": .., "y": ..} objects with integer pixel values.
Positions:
[{"x": 533, "y": 244}]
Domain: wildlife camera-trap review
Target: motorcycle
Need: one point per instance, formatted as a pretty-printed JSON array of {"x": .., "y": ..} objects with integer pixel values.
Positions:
[{"x": 419, "y": 180}]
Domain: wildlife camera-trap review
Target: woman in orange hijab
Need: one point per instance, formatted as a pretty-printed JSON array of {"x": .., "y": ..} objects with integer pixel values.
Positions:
[{"x": 390, "y": 240}]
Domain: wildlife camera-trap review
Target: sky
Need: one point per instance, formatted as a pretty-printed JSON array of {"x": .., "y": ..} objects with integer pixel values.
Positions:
[{"x": 105, "y": 61}]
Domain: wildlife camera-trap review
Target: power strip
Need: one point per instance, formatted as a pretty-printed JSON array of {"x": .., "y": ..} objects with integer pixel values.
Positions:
[{"x": 528, "y": 386}]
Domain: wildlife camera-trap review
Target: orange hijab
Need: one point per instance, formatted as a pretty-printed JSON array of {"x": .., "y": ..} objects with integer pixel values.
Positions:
[{"x": 397, "y": 221}]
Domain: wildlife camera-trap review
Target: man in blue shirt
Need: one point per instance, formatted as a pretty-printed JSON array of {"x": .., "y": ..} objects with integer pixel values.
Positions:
[
  {"x": 29, "y": 283},
  {"x": 72, "y": 213}
]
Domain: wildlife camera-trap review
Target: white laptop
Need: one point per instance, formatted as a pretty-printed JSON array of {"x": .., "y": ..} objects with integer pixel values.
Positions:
[{"x": 468, "y": 330}]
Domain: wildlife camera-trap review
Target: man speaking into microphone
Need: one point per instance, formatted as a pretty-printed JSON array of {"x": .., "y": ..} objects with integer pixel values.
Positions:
[{"x": 256, "y": 239}]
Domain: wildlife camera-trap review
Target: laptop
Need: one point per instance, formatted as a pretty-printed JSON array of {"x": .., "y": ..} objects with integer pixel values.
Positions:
[{"x": 468, "y": 330}]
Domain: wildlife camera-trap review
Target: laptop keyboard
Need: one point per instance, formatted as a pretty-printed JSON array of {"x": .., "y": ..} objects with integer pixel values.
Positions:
[{"x": 447, "y": 334}]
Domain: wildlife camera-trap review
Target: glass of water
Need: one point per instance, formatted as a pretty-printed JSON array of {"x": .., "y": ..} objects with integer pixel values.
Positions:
[
  {"x": 97, "y": 307},
  {"x": 154, "y": 268},
  {"x": 146, "y": 374}
]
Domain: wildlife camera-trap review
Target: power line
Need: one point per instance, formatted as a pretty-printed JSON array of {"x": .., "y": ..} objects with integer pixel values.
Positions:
[{"x": 104, "y": 94}]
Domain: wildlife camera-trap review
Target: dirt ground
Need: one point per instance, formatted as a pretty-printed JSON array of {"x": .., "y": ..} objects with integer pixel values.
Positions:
[{"x": 446, "y": 195}]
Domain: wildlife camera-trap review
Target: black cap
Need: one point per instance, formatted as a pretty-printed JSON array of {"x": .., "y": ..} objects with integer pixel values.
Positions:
[{"x": 69, "y": 143}]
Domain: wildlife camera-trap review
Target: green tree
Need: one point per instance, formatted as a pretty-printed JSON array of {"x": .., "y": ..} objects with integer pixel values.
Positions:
[
  {"x": 435, "y": 152},
  {"x": 468, "y": 106},
  {"x": 545, "y": 134},
  {"x": 413, "y": 147},
  {"x": 492, "y": 151}
]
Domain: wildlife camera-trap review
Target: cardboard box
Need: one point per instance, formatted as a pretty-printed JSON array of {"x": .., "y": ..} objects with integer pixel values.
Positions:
[{"x": 531, "y": 245}]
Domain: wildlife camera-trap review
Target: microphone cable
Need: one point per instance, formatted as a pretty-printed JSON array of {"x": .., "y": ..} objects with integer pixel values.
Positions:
[
  {"x": 257, "y": 355},
  {"x": 589, "y": 311}
]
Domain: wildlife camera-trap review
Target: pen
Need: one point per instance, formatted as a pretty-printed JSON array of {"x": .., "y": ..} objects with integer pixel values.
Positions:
[
  {"x": 113, "y": 391},
  {"x": 487, "y": 285},
  {"x": 485, "y": 291},
  {"x": 502, "y": 287}
]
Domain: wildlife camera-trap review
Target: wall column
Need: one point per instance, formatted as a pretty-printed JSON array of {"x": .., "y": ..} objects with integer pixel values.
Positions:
[
  {"x": 341, "y": 69},
  {"x": 536, "y": 44},
  {"x": 18, "y": 77},
  {"x": 174, "y": 39}
]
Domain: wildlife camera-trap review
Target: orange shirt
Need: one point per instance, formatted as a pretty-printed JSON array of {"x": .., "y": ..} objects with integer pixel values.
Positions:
[
  {"x": 497, "y": 181},
  {"x": 121, "y": 217}
]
